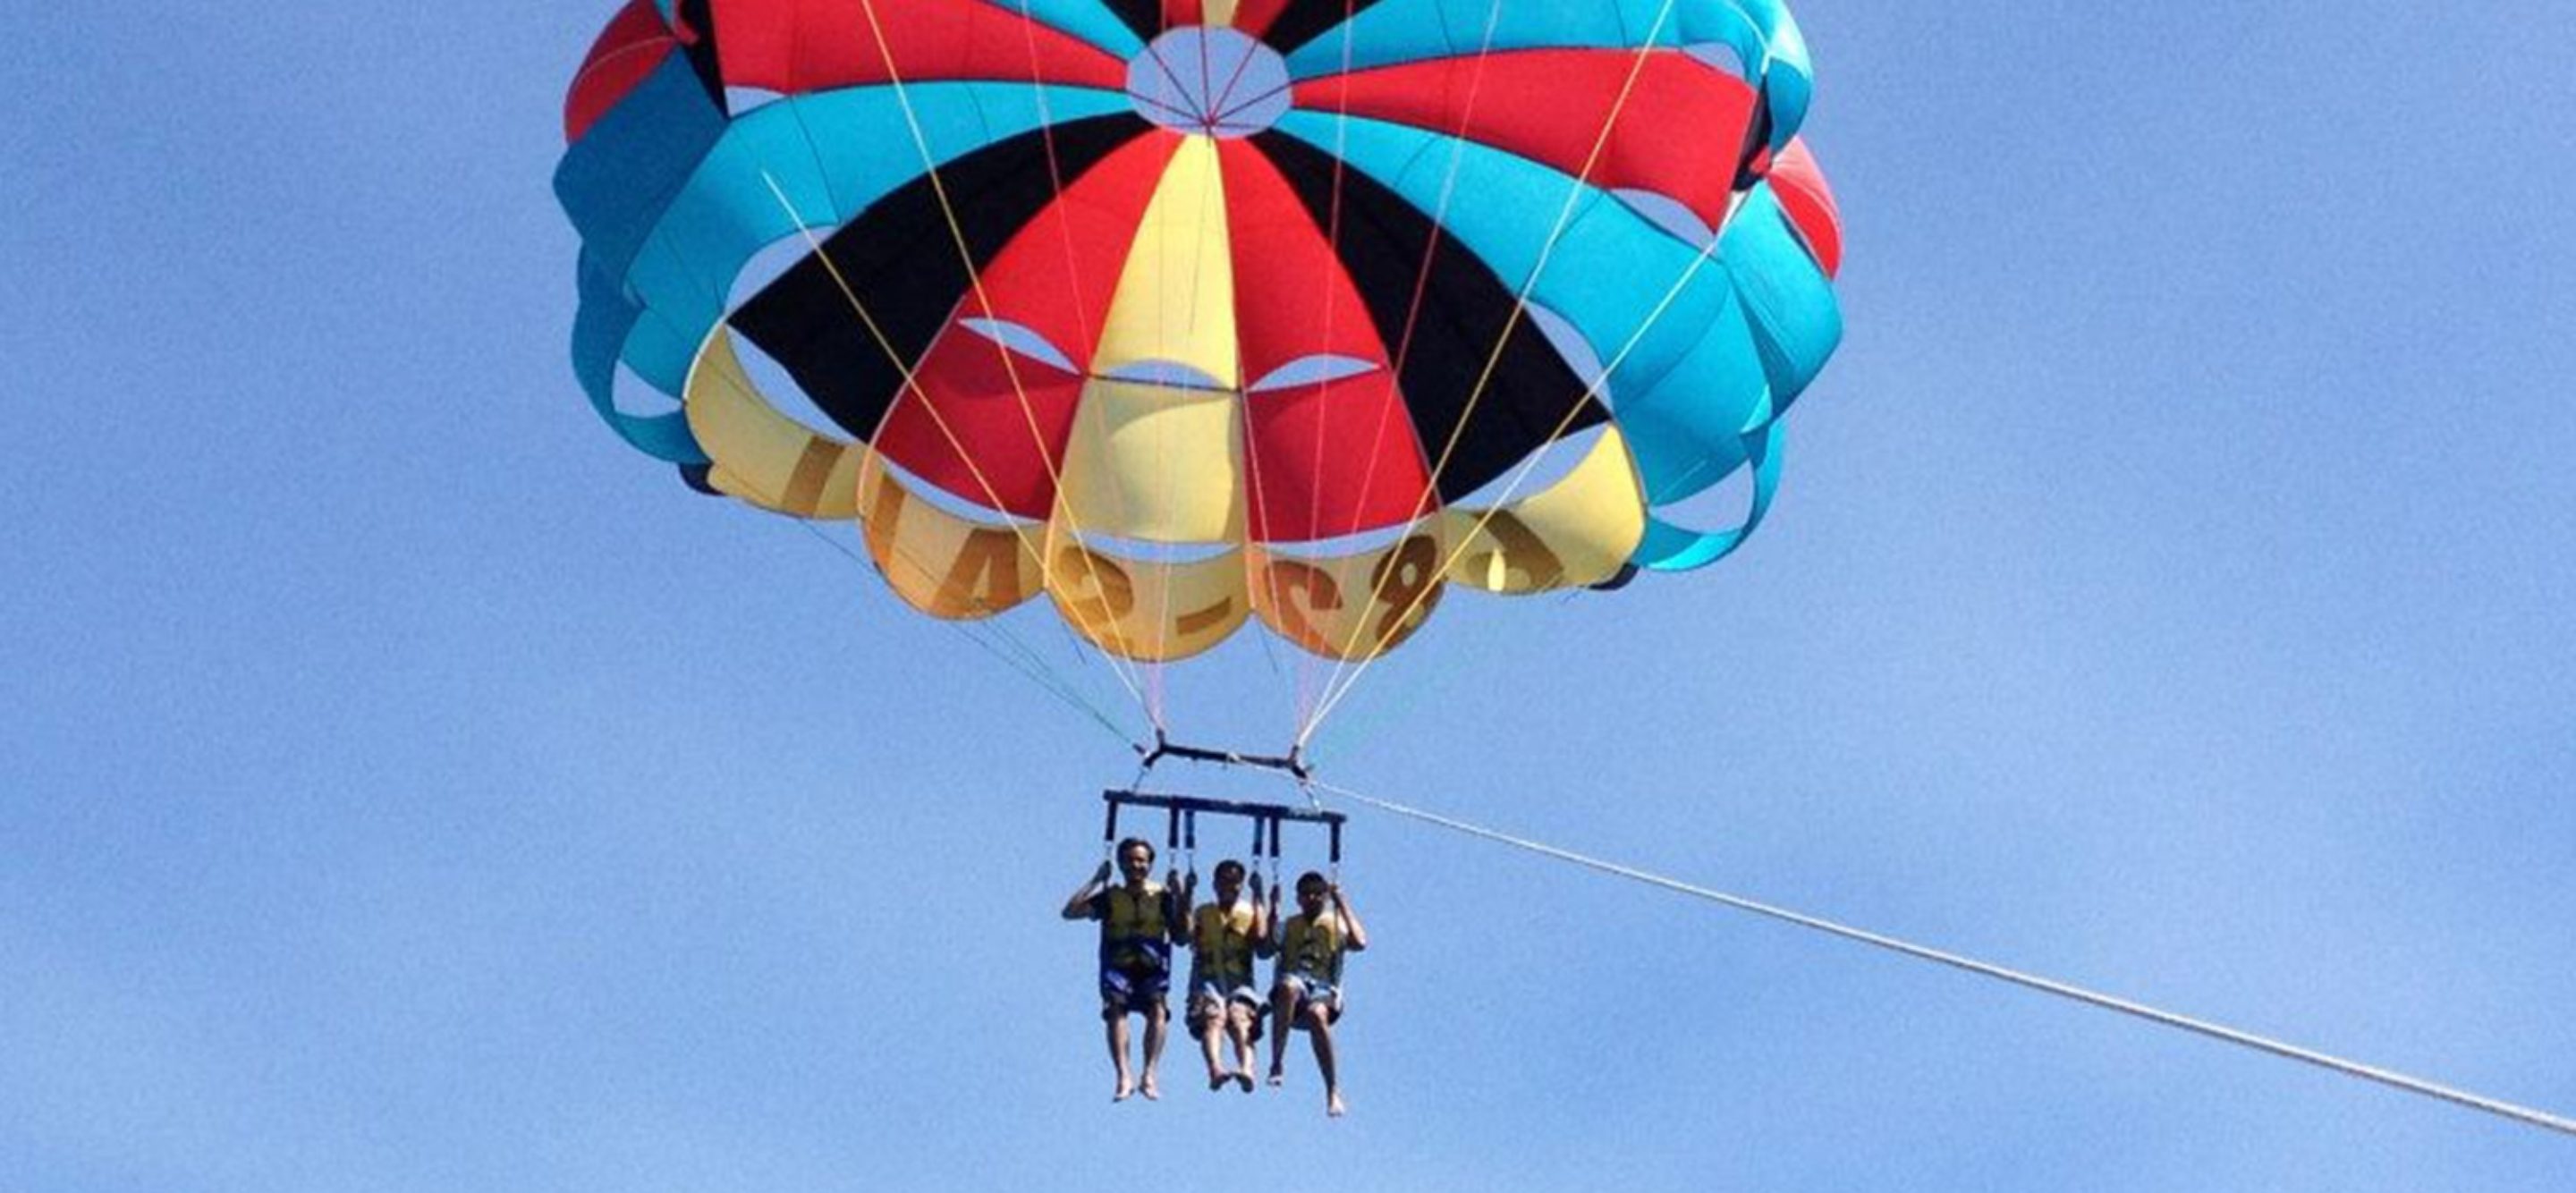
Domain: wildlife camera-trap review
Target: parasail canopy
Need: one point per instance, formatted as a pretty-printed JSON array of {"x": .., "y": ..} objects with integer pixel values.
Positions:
[{"x": 1192, "y": 313}]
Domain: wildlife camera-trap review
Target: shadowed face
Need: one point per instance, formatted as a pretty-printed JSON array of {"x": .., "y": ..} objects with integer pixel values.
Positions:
[{"x": 1136, "y": 861}]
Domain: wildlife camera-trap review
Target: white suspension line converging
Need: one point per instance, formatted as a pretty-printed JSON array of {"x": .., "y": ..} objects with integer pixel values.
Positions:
[
  {"x": 2413, "y": 1085},
  {"x": 1026, "y": 662}
]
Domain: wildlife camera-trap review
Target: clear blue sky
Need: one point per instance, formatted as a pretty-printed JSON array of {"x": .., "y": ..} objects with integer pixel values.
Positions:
[{"x": 405, "y": 787}]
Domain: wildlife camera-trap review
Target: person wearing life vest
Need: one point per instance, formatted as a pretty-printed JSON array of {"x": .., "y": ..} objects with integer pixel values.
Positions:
[
  {"x": 1223, "y": 938},
  {"x": 1136, "y": 925},
  {"x": 1308, "y": 993}
]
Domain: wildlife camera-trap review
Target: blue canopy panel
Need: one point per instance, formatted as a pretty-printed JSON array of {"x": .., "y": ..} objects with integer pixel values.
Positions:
[
  {"x": 672, "y": 202},
  {"x": 614, "y": 183},
  {"x": 1704, "y": 345}
]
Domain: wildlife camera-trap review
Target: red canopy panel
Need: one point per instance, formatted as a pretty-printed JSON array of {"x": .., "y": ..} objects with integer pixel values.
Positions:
[
  {"x": 1330, "y": 457},
  {"x": 797, "y": 46},
  {"x": 1678, "y": 131},
  {"x": 1293, "y": 298}
]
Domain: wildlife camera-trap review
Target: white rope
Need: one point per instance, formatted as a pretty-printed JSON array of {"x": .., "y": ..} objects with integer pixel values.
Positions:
[{"x": 2413, "y": 1085}]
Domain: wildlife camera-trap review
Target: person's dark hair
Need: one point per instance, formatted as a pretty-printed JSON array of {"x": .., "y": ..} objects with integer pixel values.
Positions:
[
  {"x": 1229, "y": 866},
  {"x": 1310, "y": 880},
  {"x": 1132, "y": 841}
]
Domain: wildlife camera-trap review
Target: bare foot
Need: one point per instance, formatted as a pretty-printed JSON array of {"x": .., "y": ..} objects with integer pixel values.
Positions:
[
  {"x": 1125, "y": 1088},
  {"x": 1152, "y": 1094},
  {"x": 1244, "y": 1079},
  {"x": 1333, "y": 1107}
]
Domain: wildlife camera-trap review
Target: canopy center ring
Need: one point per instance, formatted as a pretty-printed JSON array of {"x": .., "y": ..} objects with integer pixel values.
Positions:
[{"x": 1211, "y": 80}]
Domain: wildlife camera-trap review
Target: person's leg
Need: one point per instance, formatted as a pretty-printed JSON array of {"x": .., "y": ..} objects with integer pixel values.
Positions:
[
  {"x": 1116, "y": 1020},
  {"x": 1283, "y": 1012},
  {"x": 1211, "y": 1023},
  {"x": 1238, "y": 1025},
  {"x": 1157, "y": 1024},
  {"x": 1319, "y": 1024}
]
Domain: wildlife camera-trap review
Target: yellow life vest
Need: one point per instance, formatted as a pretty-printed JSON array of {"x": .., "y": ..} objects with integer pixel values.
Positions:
[
  {"x": 1221, "y": 938},
  {"x": 1312, "y": 946},
  {"x": 1133, "y": 928}
]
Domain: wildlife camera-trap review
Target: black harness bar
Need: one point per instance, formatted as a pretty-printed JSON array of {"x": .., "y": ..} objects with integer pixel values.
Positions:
[
  {"x": 1184, "y": 809},
  {"x": 1293, "y": 762}
]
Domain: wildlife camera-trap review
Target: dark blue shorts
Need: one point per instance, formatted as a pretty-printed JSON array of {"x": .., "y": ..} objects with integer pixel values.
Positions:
[{"x": 1132, "y": 992}]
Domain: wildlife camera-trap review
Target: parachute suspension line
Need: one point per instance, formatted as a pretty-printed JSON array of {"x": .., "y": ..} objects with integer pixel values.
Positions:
[
  {"x": 1021, "y": 657},
  {"x": 984, "y": 301},
  {"x": 1435, "y": 676},
  {"x": 1308, "y": 667},
  {"x": 912, "y": 386},
  {"x": 1258, "y": 532},
  {"x": 1521, "y": 475},
  {"x": 1556, "y": 233},
  {"x": 1168, "y": 475},
  {"x": 1493, "y": 358},
  {"x": 1055, "y": 165},
  {"x": 1270, "y": 655},
  {"x": 1073, "y": 271},
  {"x": 1152, "y": 676},
  {"x": 1072, "y": 266},
  {"x": 1315, "y": 707},
  {"x": 1028, "y": 663},
  {"x": 2219, "y": 1032}
]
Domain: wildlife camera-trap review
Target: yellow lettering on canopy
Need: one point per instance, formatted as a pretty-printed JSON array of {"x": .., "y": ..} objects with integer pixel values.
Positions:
[
  {"x": 1093, "y": 591},
  {"x": 1197, "y": 622},
  {"x": 1297, "y": 593},
  {"x": 984, "y": 578},
  {"x": 884, "y": 517},
  {"x": 1578, "y": 531},
  {"x": 1519, "y": 561},
  {"x": 944, "y": 565},
  {"x": 759, "y": 454},
  {"x": 1351, "y": 606},
  {"x": 1407, "y": 584},
  {"x": 1149, "y": 610}
]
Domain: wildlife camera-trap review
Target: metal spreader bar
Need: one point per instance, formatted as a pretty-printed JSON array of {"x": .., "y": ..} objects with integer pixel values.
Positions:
[
  {"x": 1184, "y": 809},
  {"x": 1293, "y": 762}
]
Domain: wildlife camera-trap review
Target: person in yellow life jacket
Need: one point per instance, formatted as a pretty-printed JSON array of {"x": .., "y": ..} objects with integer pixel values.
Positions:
[
  {"x": 1307, "y": 995},
  {"x": 1224, "y": 1005},
  {"x": 1136, "y": 925}
]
